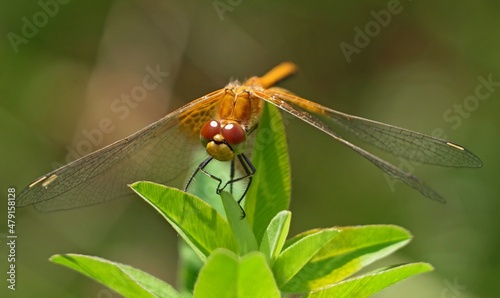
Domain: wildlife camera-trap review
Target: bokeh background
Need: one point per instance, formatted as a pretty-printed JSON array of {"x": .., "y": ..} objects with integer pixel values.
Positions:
[{"x": 420, "y": 67}]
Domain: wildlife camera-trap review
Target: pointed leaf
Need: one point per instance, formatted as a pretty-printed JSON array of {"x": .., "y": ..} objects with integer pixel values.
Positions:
[
  {"x": 353, "y": 249},
  {"x": 124, "y": 279},
  {"x": 294, "y": 257},
  {"x": 371, "y": 283},
  {"x": 270, "y": 190},
  {"x": 240, "y": 227},
  {"x": 275, "y": 236},
  {"x": 201, "y": 226},
  {"x": 227, "y": 275}
]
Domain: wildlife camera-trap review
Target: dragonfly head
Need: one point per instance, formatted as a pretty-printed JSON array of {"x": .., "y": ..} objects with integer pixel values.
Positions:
[{"x": 223, "y": 141}]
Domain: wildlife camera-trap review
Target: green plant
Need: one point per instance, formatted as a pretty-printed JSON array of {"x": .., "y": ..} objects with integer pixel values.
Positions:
[{"x": 229, "y": 257}]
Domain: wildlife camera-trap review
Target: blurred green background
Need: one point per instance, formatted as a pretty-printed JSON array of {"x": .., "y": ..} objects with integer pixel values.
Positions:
[{"x": 420, "y": 67}]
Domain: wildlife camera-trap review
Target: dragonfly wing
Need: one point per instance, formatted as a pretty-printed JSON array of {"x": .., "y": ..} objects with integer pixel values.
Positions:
[
  {"x": 280, "y": 100},
  {"x": 161, "y": 152},
  {"x": 402, "y": 142}
]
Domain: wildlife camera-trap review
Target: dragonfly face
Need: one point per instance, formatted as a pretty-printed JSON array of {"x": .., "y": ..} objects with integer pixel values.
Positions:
[
  {"x": 162, "y": 151},
  {"x": 223, "y": 141},
  {"x": 238, "y": 114}
]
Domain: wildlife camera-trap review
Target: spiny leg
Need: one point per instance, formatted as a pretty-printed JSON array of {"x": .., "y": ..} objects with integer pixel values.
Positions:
[
  {"x": 249, "y": 172},
  {"x": 231, "y": 177},
  {"x": 201, "y": 168},
  {"x": 247, "y": 167}
]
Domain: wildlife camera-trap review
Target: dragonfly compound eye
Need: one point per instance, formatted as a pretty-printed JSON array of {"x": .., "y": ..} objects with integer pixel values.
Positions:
[
  {"x": 234, "y": 134},
  {"x": 209, "y": 130}
]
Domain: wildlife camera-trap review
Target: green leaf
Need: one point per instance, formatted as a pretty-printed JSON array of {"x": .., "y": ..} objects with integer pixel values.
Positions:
[
  {"x": 188, "y": 268},
  {"x": 294, "y": 257},
  {"x": 270, "y": 190},
  {"x": 354, "y": 248},
  {"x": 371, "y": 283},
  {"x": 275, "y": 236},
  {"x": 241, "y": 228},
  {"x": 227, "y": 275},
  {"x": 124, "y": 279},
  {"x": 201, "y": 226}
]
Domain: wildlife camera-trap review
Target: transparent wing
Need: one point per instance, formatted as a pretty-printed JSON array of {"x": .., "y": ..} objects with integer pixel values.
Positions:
[
  {"x": 161, "y": 152},
  {"x": 399, "y": 141},
  {"x": 402, "y": 142}
]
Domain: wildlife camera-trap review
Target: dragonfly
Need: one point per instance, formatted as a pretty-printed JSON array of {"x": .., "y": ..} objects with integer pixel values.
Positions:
[{"x": 220, "y": 122}]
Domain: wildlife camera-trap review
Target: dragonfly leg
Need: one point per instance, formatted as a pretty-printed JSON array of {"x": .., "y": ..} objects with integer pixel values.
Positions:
[
  {"x": 201, "y": 168},
  {"x": 249, "y": 172},
  {"x": 247, "y": 167},
  {"x": 232, "y": 175}
]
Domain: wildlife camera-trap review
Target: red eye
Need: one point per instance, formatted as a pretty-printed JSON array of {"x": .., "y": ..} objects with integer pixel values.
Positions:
[
  {"x": 233, "y": 133},
  {"x": 210, "y": 129}
]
